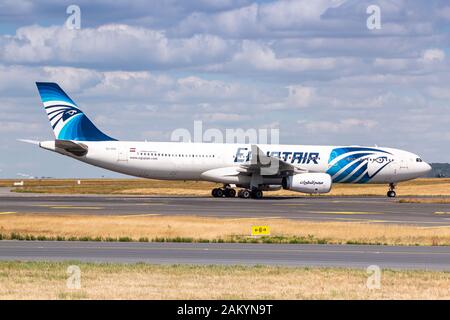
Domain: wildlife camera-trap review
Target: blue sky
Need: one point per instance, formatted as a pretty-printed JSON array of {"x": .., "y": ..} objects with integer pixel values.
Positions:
[{"x": 141, "y": 69}]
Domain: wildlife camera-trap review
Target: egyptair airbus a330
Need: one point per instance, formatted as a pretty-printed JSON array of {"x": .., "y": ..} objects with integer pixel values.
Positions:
[{"x": 253, "y": 168}]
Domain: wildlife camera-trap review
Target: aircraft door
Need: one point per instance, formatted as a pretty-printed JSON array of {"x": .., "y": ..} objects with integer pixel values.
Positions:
[{"x": 122, "y": 154}]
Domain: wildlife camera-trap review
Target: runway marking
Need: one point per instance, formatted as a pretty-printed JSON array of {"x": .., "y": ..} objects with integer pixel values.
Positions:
[
  {"x": 403, "y": 222},
  {"x": 441, "y": 212},
  {"x": 435, "y": 227},
  {"x": 43, "y": 205},
  {"x": 355, "y": 201},
  {"x": 297, "y": 250},
  {"x": 360, "y": 220},
  {"x": 138, "y": 215},
  {"x": 345, "y": 212},
  {"x": 252, "y": 218},
  {"x": 74, "y": 207},
  {"x": 65, "y": 206},
  {"x": 289, "y": 204},
  {"x": 8, "y": 212}
]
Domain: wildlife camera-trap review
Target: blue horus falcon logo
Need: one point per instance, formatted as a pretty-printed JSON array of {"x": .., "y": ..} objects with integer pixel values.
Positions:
[
  {"x": 350, "y": 164},
  {"x": 62, "y": 113}
]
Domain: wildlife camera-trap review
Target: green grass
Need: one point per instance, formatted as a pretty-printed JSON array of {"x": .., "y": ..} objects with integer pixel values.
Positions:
[
  {"x": 417, "y": 187},
  {"x": 309, "y": 239},
  {"x": 47, "y": 280}
]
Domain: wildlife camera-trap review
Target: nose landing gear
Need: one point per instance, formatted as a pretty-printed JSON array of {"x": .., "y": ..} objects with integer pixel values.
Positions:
[{"x": 391, "y": 193}]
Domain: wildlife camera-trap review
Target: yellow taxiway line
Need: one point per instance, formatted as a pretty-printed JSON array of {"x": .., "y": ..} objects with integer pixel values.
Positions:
[
  {"x": 74, "y": 207},
  {"x": 138, "y": 215},
  {"x": 345, "y": 212},
  {"x": 290, "y": 204}
]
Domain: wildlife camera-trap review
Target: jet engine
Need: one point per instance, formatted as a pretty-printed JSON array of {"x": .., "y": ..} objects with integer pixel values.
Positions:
[{"x": 308, "y": 182}]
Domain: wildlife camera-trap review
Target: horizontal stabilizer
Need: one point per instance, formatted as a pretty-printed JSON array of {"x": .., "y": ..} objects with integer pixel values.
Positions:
[
  {"x": 29, "y": 141},
  {"x": 78, "y": 149}
]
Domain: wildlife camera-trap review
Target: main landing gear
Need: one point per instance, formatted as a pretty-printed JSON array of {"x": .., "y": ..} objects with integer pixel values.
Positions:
[
  {"x": 228, "y": 192},
  {"x": 391, "y": 193},
  {"x": 223, "y": 192},
  {"x": 246, "y": 194}
]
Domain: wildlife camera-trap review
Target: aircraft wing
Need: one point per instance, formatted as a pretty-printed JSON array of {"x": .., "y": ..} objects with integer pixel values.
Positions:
[{"x": 268, "y": 166}]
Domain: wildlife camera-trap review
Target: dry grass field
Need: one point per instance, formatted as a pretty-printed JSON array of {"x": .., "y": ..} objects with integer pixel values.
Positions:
[
  {"x": 443, "y": 200},
  {"x": 47, "y": 280},
  {"x": 192, "y": 228},
  {"x": 418, "y": 187}
]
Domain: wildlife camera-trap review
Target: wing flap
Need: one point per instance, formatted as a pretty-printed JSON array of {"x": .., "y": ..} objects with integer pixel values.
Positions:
[{"x": 268, "y": 166}]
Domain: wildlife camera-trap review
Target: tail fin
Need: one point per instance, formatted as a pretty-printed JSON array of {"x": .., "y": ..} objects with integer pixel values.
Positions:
[{"x": 68, "y": 122}]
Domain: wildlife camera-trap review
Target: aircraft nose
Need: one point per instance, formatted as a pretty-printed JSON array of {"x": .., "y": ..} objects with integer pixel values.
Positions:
[{"x": 423, "y": 169}]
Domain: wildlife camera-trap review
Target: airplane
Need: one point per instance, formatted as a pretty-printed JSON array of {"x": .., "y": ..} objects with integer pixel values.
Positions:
[{"x": 254, "y": 168}]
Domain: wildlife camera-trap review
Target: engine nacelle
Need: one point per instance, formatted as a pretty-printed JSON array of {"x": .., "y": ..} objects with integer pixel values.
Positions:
[
  {"x": 308, "y": 182},
  {"x": 270, "y": 187}
]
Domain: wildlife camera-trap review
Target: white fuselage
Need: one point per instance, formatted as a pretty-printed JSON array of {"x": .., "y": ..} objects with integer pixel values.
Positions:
[{"x": 220, "y": 162}]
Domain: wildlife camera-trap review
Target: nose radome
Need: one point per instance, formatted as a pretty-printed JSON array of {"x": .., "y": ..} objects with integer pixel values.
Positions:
[{"x": 423, "y": 169}]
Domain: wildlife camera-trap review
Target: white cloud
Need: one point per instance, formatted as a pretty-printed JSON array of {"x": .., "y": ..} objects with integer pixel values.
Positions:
[
  {"x": 300, "y": 96},
  {"x": 431, "y": 55},
  {"x": 258, "y": 57},
  {"x": 109, "y": 46},
  {"x": 18, "y": 127},
  {"x": 259, "y": 19},
  {"x": 200, "y": 89},
  {"x": 223, "y": 117},
  {"x": 141, "y": 70},
  {"x": 344, "y": 125},
  {"x": 439, "y": 92}
]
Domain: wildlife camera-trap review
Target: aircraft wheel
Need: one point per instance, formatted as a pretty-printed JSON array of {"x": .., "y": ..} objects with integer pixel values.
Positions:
[
  {"x": 245, "y": 194},
  {"x": 391, "y": 194},
  {"x": 230, "y": 193},
  {"x": 217, "y": 193},
  {"x": 257, "y": 194}
]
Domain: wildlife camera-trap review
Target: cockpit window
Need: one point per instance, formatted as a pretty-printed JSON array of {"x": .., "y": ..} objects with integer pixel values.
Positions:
[{"x": 418, "y": 160}]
